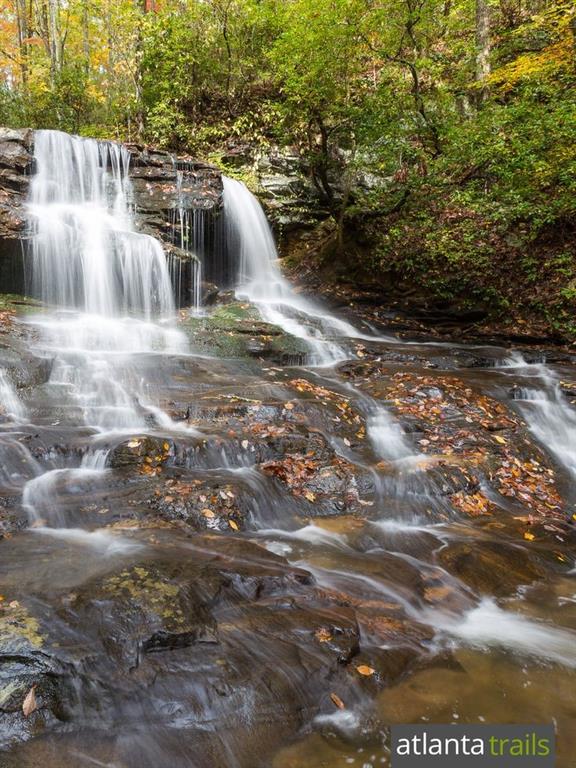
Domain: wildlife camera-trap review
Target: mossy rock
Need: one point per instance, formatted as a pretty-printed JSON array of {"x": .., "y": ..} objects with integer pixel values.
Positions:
[
  {"x": 12, "y": 302},
  {"x": 236, "y": 330}
]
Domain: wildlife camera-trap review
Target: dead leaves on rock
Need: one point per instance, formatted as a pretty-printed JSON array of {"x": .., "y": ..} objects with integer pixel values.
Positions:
[
  {"x": 293, "y": 470},
  {"x": 529, "y": 483},
  {"x": 6, "y": 319},
  {"x": 347, "y": 414},
  {"x": 474, "y": 504},
  {"x": 441, "y": 405}
]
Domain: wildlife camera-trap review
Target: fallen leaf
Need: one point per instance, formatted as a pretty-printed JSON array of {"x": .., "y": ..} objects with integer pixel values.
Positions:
[
  {"x": 29, "y": 704},
  {"x": 323, "y": 635},
  {"x": 337, "y": 701},
  {"x": 310, "y": 496},
  {"x": 529, "y": 536},
  {"x": 500, "y": 439},
  {"x": 363, "y": 669},
  {"x": 233, "y": 525},
  {"x": 207, "y": 513}
]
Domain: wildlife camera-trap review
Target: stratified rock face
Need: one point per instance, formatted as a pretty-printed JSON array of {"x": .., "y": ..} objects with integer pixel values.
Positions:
[
  {"x": 163, "y": 185},
  {"x": 283, "y": 185},
  {"x": 177, "y": 200},
  {"x": 16, "y": 165}
]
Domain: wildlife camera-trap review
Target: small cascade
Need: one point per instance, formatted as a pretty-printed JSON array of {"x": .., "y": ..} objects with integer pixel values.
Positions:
[
  {"x": 387, "y": 437},
  {"x": 10, "y": 403},
  {"x": 259, "y": 280},
  {"x": 188, "y": 234},
  {"x": 548, "y": 414}
]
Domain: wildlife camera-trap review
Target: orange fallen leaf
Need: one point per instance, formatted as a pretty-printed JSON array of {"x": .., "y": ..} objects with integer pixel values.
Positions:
[
  {"x": 323, "y": 635},
  {"x": 365, "y": 670},
  {"x": 529, "y": 536},
  {"x": 233, "y": 525},
  {"x": 207, "y": 513}
]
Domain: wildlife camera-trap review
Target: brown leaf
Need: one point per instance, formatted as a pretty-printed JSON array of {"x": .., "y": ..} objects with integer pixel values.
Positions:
[
  {"x": 337, "y": 701},
  {"x": 29, "y": 704},
  {"x": 365, "y": 670}
]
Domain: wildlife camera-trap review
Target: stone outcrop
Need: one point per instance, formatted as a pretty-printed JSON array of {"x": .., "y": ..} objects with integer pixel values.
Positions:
[
  {"x": 16, "y": 165},
  {"x": 170, "y": 193},
  {"x": 282, "y": 182},
  {"x": 164, "y": 184}
]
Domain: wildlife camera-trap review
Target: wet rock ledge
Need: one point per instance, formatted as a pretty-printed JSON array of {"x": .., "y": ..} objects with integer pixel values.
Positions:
[{"x": 177, "y": 200}]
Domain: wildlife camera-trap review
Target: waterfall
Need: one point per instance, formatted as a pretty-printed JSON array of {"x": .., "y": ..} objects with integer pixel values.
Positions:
[
  {"x": 86, "y": 253},
  {"x": 259, "y": 280},
  {"x": 549, "y": 416},
  {"x": 10, "y": 404},
  {"x": 187, "y": 229},
  {"x": 107, "y": 286}
]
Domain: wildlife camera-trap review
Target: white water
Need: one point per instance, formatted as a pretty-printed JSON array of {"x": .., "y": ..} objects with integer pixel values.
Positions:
[
  {"x": 10, "y": 403},
  {"x": 42, "y": 496},
  {"x": 110, "y": 283},
  {"x": 387, "y": 437},
  {"x": 548, "y": 414},
  {"x": 488, "y": 626},
  {"x": 111, "y": 300},
  {"x": 260, "y": 281},
  {"x": 86, "y": 253}
]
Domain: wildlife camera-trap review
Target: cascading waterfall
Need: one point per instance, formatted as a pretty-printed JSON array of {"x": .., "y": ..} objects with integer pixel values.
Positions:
[
  {"x": 86, "y": 254},
  {"x": 549, "y": 416},
  {"x": 109, "y": 292},
  {"x": 259, "y": 280}
]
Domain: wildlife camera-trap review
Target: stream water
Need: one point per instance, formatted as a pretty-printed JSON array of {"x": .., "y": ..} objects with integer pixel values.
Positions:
[{"x": 237, "y": 562}]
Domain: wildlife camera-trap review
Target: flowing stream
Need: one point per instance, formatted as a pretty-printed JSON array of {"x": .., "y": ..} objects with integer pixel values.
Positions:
[{"x": 234, "y": 561}]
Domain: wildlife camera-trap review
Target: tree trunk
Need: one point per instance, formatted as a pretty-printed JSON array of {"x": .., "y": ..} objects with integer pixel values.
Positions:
[
  {"x": 482, "y": 47},
  {"x": 54, "y": 36},
  {"x": 22, "y": 20}
]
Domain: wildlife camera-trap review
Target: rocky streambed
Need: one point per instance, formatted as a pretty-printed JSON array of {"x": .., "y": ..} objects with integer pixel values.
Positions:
[{"x": 294, "y": 559}]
